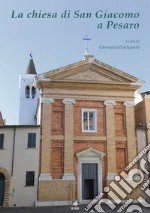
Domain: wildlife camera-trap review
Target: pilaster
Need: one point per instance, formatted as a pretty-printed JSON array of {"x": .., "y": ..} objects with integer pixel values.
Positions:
[
  {"x": 130, "y": 127},
  {"x": 46, "y": 139},
  {"x": 68, "y": 139},
  {"x": 110, "y": 135}
]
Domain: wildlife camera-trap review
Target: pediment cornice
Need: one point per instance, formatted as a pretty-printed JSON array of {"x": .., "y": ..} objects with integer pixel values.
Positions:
[
  {"x": 89, "y": 72},
  {"x": 90, "y": 153}
]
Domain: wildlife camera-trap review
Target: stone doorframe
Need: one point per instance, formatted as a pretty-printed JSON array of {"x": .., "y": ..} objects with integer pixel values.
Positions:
[
  {"x": 7, "y": 186},
  {"x": 89, "y": 156}
]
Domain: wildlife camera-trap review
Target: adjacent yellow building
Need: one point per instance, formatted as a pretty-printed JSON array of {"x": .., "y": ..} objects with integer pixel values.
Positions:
[{"x": 142, "y": 113}]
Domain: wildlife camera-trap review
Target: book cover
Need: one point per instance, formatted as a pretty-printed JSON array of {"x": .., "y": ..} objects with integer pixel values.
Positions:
[
  {"x": 69, "y": 74},
  {"x": 57, "y": 33}
]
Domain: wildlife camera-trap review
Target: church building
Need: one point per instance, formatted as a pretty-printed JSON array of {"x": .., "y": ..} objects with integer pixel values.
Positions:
[{"x": 87, "y": 129}]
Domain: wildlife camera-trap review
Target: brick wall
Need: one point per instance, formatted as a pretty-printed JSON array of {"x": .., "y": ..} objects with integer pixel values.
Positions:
[
  {"x": 57, "y": 159},
  {"x": 120, "y": 127},
  {"x": 56, "y": 190},
  {"x": 57, "y": 118},
  {"x": 49, "y": 190},
  {"x": 57, "y": 153}
]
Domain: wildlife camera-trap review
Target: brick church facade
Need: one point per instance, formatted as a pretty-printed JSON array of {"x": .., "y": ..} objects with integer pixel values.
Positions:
[{"x": 86, "y": 113}]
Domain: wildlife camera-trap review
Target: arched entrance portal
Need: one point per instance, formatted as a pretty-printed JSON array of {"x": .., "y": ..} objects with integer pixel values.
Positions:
[
  {"x": 2, "y": 188},
  {"x": 5, "y": 179}
]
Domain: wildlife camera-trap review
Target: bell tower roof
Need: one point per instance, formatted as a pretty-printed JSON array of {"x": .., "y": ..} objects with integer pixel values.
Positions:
[{"x": 31, "y": 67}]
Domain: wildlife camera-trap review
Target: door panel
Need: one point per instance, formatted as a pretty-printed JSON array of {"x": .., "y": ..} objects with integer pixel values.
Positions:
[
  {"x": 2, "y": 188},
  {"x": 88, "y": 189},
  {"x": 89, "y": 180}
]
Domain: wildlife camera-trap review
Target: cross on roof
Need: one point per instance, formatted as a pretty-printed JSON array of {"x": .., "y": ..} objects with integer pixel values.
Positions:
[
  {"x": 87, "y": 39},
  {"x": 31, "y": 56}
]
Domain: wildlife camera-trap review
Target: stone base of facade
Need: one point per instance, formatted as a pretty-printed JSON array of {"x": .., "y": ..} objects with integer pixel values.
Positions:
[
  {"x": 69, "y": 176},
  {"x": 54, "y": 203},
  {"x": 45, "y": 177},
  {"x": 56, "y": 191},
  {"x": 111, "y": 176}
]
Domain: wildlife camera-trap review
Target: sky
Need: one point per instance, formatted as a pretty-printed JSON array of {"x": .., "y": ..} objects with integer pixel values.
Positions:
[{"x": 55, "y": 38}]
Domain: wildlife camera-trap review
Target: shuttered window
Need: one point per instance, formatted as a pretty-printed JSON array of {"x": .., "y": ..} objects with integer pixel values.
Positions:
[
  {"x": 30, "y": 178},
  {"x": 1, "y": 141},
  {"x": 33, "y": 92},
  {"x": 31, "y": 140},
  {"x": 27, "y": 92}
]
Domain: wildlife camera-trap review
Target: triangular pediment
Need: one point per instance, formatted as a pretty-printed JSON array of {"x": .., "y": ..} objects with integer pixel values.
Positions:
[
  {"x": 90, "y": 153},
  {"x": 89, "y": 75},
  {"x": 90, "y": 71}
]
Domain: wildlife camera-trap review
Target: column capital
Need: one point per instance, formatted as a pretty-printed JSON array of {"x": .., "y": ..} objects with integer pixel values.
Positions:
[
  {"x": 128, "y": 103},
  {"x": 47, "y": 100},
  {"x": 69, "y": 101},
  {"x": 109, "y": 102}
]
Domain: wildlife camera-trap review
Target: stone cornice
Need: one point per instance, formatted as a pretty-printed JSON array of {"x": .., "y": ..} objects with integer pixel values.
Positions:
[{"x": 70, "y": 84}]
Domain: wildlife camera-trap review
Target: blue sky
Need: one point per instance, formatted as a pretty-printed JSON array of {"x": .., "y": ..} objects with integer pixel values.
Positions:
[{"x": 56, "y": 42}]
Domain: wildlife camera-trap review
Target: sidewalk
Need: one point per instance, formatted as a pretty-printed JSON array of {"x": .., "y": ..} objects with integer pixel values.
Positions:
[{"x": 53, "y": 209}]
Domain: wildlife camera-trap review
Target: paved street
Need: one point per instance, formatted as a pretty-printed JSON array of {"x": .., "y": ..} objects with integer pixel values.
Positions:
[{"x": 54, "y": 209}]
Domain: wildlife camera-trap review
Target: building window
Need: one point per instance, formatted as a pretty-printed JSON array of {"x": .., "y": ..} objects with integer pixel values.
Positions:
[
  {"x": 30, "y": 175},
  {"x": 33, "y": 92},
  {"x": 89, "y": 120},
  {"x": 31, "y": 140},
  {"x": 27, "y": 92},
  {"x": 1, "y": 141}
]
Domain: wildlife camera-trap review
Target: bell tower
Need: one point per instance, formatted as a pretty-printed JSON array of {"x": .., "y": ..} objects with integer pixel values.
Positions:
[{"x": 28, "y": 96}]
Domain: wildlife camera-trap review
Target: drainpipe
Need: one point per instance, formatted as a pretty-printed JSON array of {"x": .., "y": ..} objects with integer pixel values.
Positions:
[
  {"x": 146, "y": 125},
  {"x": 13, "y": 152},
  {"x": 40, "y": 145}
]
